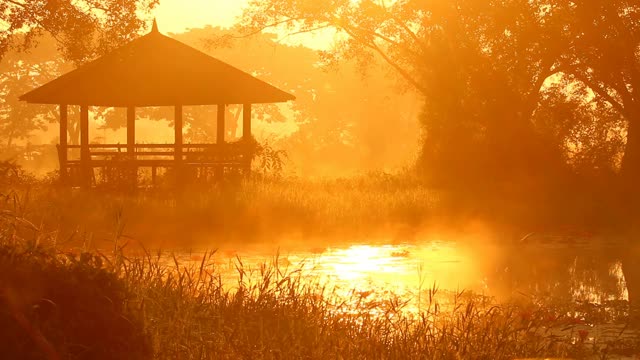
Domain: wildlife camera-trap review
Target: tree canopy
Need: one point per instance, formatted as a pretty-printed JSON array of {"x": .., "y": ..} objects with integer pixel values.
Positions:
[
  {"x": 81, "y": 29},
  {"x": 342, "y": 121},
  {"x": 492, "y": 73}
]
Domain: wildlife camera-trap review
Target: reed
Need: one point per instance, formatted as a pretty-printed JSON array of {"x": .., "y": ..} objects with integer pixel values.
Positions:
[
  {"x": 253, "y": 210},
  {"x": 85, "y": 304},
  {"x": 95, "y": 306}
]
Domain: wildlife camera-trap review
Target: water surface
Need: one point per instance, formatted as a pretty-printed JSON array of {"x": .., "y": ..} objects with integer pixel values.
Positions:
[{"x": 408, "y": 270}]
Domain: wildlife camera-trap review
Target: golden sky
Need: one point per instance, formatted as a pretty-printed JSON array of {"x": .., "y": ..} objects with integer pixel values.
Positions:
[
  {"x": 179, "y": 15},
  {"x": 176, "y": 16}
]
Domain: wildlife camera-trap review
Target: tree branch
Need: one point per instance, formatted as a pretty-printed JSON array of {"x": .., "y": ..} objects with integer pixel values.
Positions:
[
  {"x": 384, "y": 38},
  {"x": 603, "y": 93},
  {"x": 265, "y": 27},
  {"x": 534, "y": 96},
  {"x": 404, "y": 73},
  {"x": 22, "y": 5},
  {"x": 305, "y": 31},
  {"x": 413, "y": 35}
]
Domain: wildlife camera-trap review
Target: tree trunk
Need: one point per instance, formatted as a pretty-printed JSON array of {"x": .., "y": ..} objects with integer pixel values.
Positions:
[
  {"x": 631, "y": 271},
  {"x": 74, "y": 133},
  {"x": 631, "y": 161},
  {"x": 630, "y": 174},
  {"x": 232, "y": 118}
]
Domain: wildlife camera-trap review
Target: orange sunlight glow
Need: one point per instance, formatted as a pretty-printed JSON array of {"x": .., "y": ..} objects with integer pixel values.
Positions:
[
  {"x": 373, "y": 271},
  {"x": 361, "y": 261},
  {"x": 176, "y": 16},
  {"x": 400, "y": 268}
]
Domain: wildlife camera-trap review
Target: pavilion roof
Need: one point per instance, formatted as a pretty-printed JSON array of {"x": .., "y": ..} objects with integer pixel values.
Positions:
[{"x": 156, "y": 70}]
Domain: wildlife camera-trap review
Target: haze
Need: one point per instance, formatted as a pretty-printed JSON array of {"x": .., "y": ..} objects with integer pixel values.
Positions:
[{"x": 295, "y": 179}]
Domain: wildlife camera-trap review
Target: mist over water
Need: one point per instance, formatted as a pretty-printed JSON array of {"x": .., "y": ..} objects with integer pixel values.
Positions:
[{"x": 381, "y": 269}]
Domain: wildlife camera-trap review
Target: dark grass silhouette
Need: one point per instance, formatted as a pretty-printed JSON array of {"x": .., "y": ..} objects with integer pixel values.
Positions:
[
  {"x": 67, "y": 307},
  {"x": 83, "y": 307},
  {"x": 56, "y": 305}
]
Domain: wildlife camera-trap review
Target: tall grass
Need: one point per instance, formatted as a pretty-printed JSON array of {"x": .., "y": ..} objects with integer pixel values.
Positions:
[
  {"x": 57, "y": 304},
  {"x": 65, "y": 307},
  {"x": 253, "y": 210},
  {"x": 90, "y": 306}
]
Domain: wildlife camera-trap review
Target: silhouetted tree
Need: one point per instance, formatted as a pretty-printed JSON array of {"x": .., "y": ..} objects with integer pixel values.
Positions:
[
  {"x": 20, "y": 73},
  {"x": 486, "y": 71},
  {"x": 346, "y": 120},
  {"x": 18, "y": 120},
  {"x": 479, "y": 66},
  {"x": 603, "y": 43},
  {"x": 603, "y": 53},
  {"x": 81, "y": 29}
]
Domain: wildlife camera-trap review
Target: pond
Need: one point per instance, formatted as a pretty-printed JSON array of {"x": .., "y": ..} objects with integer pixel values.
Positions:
[
  {"x": 579, "y": 281},
  {"x": 538, "y": 268}
]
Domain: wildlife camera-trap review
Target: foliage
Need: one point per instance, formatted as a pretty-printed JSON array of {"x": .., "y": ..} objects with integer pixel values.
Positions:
[
  {"x": 12, "y": 175},
  {"x": 269, "y": 161},
  {"x": 271, "y": 205},
  {"x": 604, "y": 54},
  {"x": 19, "y": 120},
  {"x": 21, "y": 72},
  {"x": 64, "y": 307},
  {"x": 252, "y": 210},
  {"x": 590, "y": 134},
  {"x": 277, "y": 313},
  {"x": 342, "y": 119},
  {"x": 487, "y": 71},
  {"x": 81, "y": 29}
]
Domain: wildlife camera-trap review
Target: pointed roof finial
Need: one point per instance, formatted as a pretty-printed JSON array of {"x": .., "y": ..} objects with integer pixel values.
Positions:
[{"x": 154, "y": 28}]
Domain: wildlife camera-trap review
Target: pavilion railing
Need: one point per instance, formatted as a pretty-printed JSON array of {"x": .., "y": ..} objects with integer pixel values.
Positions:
[
  {"x": 160, "y": 155},
  {"x": 202, "y": 161}
]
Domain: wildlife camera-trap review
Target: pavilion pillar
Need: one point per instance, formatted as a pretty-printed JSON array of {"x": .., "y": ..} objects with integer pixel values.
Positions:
[
  {"x": 221, "y": 119},
  {"x": 178, "y": 137},
  {"x": 131, "y": 145},
  {"x": 178, "y": 133},
  {"x": 246, "y": 138},
  {"x": 131, "y": 131},
  {"x": 85, "y": 154},
  {"x": 246, "y": 122},
  {"x": 219, "y": 169},
  {"x": 64, "y": 142}
]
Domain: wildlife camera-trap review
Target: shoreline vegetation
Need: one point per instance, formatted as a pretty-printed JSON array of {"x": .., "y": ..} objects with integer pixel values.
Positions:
[
  {"x": 264, "y": 208},
  {"x": 92, "y": 306},
  {"x": 70, "y": 290}
]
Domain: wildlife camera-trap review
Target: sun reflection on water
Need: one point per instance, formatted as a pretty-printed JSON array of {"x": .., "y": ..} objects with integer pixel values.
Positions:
[
  {"x": 382, "y": 271},
  {"x": 401, "y": 269},
  {"x": 377, "y": 271}
]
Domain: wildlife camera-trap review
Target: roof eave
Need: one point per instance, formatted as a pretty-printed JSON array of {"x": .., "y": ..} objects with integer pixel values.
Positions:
[{"x": 35, "y": 100}]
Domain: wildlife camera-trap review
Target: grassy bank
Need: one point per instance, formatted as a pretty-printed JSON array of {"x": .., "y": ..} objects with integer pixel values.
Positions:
[
  {"x": 56, "y": 304},
  {"x": 61, "y": 298},
  {"x": 89, "y": 306},
  {"x": 251, "y": 211},
  {"x": 261, "y": 209}
]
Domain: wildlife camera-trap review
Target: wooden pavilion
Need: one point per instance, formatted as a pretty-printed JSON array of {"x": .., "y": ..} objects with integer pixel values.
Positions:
[{"x": 154, "y": 70}]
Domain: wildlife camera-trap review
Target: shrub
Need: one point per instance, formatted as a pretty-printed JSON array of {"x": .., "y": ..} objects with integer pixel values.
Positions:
[{"x": 71, "y": 307}]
